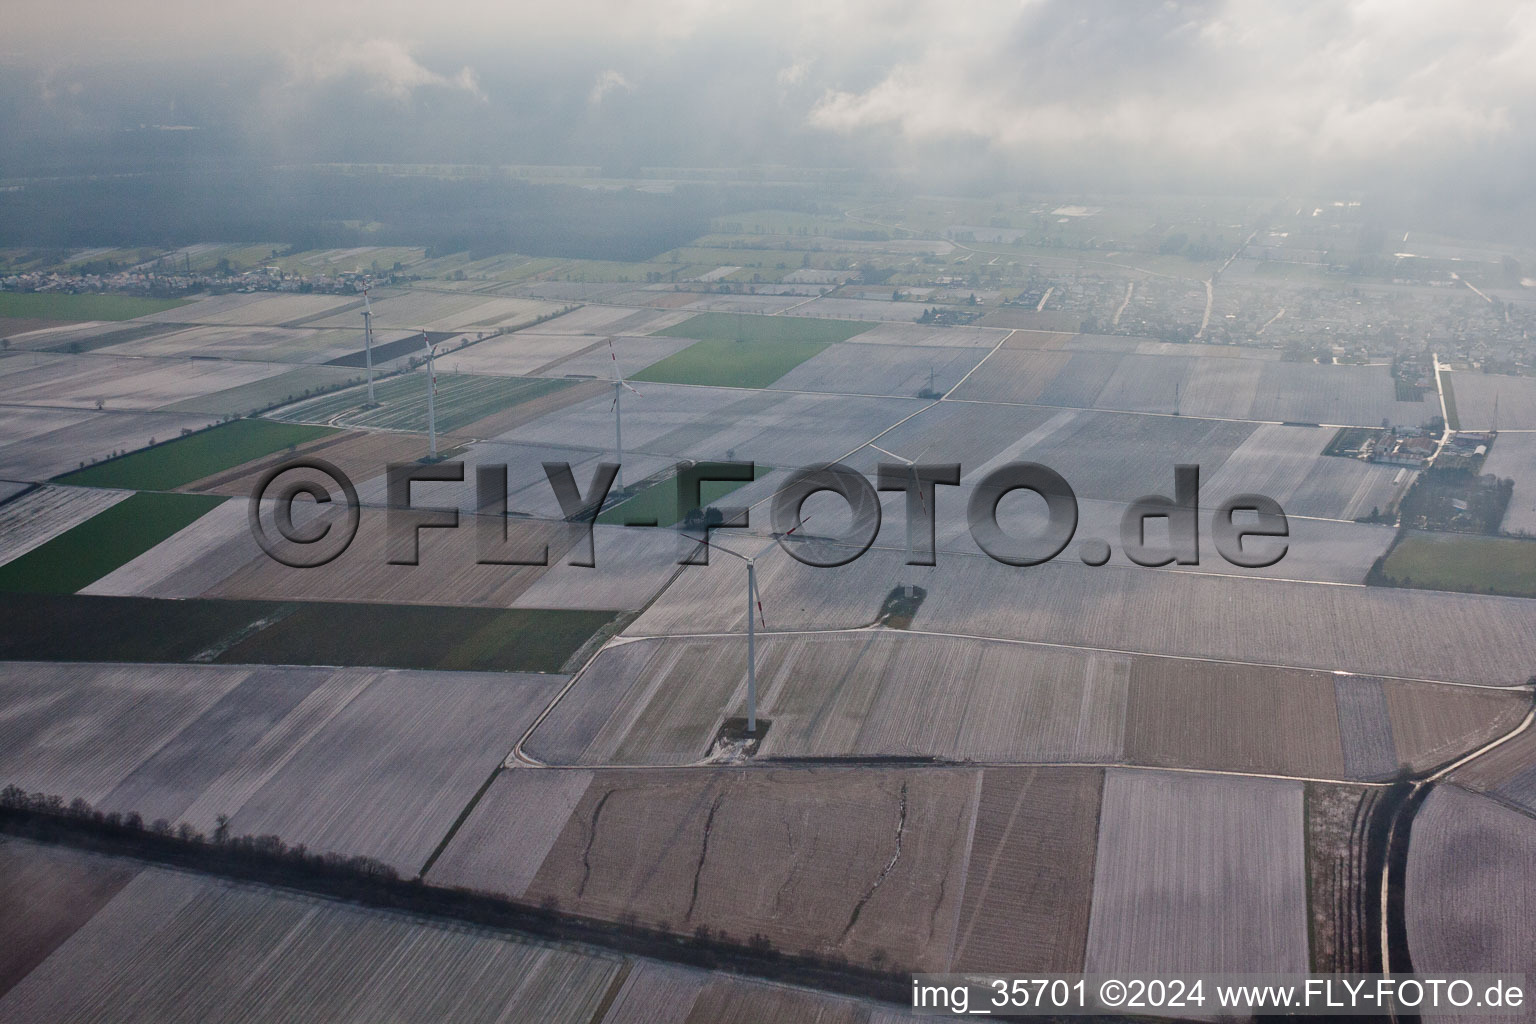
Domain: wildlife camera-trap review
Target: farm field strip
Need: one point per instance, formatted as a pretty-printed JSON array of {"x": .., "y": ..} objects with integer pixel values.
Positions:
[
  {"x": 742, "y": 351},
  {"x": 57, "y": 441},
  {"x": 257, "y": 309},
  {"x": 189, "y": 562},
  {"x": 261, "y": 954},
  {"x": 1171, "y": 848},
  {"x": 438, "y": 311},
  {"x": 152, "y": 944},
  {"x": 1476, "y": 394},
  {"x": 897, "y": 694},
  {"x": 372, "y": 762},
  {"x": 301, "y": 345},
  {"x": 86, "y": 306},
  {"x": 98, "y": 380},
  {"x": 1122, "y": 609},
  {"x": 461, "y": 400},
  {"x": 772, "y": 428},
  {"x": 526, "y": 353},
  {"x": 1199, "y": 386},
  {"x": 592, "y": 359},
  {"x": 36, "y": 518},
  {"x": 288, "y": 386},
  {"x": 193, "y": 456},
  {"x": 1030, "y": 871},
  {"x": 86, "y": 628},
  {"x": 1463, "y": 562},
  {"x": 925, "y": 336},
  {"x": 115, "y": 535},
  {"x": 448, "y": 571},
  {"x": 846, "y": 368},
  {"x": 1287, "y": 464},
  {"x": 1471, "y": 886},
  {"x": 393, "y": 790},
  {"x": 824, "y": 860},
  {"x": 634, "y": 565},
  {"x": 1513, "y": 457}
]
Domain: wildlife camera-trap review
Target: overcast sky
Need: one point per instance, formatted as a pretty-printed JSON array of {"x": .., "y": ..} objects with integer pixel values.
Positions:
[{"x": 1235, "y": 92}]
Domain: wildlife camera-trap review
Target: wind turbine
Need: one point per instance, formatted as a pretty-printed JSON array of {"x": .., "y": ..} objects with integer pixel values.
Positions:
[
  {"x": 619, "y": 387},
  {"x": 368, "y": 340},
  {"x": 922, "y": 501},
  {"x": 754, "y": 601},
  {"x": 431, "y": 399}
]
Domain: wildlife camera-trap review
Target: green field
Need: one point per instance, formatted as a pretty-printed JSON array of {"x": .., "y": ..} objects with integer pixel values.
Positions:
[
  {"x": 746, "y": 351},
  {"x": 61, "y": 306},
  {"x": 175, "y": 463},
  {"x": 45, "y": 627},
  {"x": 427, "y": 637},
  {"x": 462, "y": 399},
  {"x": 1463, "y": 562},
  {"x": 660, "y": 501},
  {"x": 79, "y": 557}
]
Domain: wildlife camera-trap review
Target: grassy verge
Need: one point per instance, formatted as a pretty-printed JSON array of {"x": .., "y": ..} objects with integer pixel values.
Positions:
[
  {"x": 74, "y": 627},
  {"x": 175, "y": 463},
  {"x": 79, "y": 557},
  {"x": 63, "y": 306},
  {"x": 1462, "y": 562},
  {"x": 746, "y": 351}
]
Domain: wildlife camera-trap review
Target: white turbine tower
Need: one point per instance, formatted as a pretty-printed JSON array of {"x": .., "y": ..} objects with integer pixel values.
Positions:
[
  {"x": 754, "y": 603},
  {"x": 431, "y": 399},
  {"x": 912, "y": 465},
  {"x": 368, "y": 340},
  {"x": 619, "y": 387}
]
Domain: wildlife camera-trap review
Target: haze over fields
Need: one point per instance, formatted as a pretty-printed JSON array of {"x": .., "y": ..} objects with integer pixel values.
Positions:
[{"x": 1111, "y": 430}]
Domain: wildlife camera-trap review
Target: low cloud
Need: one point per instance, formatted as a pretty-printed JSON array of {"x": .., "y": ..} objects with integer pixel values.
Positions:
[
  {"x": 605, "y": 84},
  {"x": 1229, "y": 83},
  {"x": 385, "y": 66}
]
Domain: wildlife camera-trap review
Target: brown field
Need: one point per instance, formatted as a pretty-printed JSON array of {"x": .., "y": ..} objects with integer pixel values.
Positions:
[
  {"x": 1435, "y": 724},
  {"x": 46, "y": 893},
  {"x": 1509, "y": 770},
  {"x": 1198, "y": 873},
  {"x": 361, "y": 455},
  {"x": 1192, "y": 714},
  {"x": 1030, "y": 871},
  {"x": 994, "y": 868},
  {"x": 1336, "y": 823},
  {"x": 860, "y": 863},
  {"x": 447, "y": 572},
  {"x": 1471, "y": 887}
]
